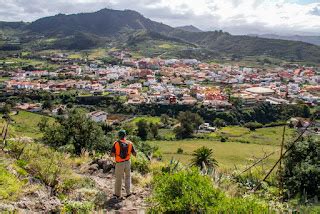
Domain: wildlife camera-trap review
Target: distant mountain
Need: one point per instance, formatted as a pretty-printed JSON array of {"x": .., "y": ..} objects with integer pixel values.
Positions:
[
  {"x": 12, "y": 25},
  {"x": 105, "y": 22},
  {"x": 189, "y": 28},
  {"x": 120, "y": 26},
  {"x": 308, "y": 39},
  {"x": 239, "y": 46}
]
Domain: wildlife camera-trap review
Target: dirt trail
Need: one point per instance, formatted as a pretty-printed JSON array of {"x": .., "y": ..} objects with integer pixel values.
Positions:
[
  {"x": 42, "y": 201},
  {"x": 134, "y": 204}
]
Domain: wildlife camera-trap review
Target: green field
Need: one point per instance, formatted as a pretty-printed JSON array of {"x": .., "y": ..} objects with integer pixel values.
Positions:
[
  {"x": 147, "y": 118},
  {"x": 21, "y": 61},
  {"x": 265, "y": 136},
  {"x": 25, "y": 124},
  {"x": 241, "y": 148},
  {"x": 238, "y": 134},
  {"x": 75, "y": 56},
  {"x": 228, "y": 154}
]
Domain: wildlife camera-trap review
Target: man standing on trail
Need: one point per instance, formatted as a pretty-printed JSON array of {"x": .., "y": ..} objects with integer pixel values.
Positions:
[{"x": 122, "y": 150}]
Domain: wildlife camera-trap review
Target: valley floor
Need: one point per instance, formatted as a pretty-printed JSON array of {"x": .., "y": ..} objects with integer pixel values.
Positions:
[{"x": 228, "y": 154}]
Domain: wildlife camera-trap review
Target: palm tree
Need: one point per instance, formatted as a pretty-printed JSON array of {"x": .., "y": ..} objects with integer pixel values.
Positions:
[{"x": 203, "y": 156}]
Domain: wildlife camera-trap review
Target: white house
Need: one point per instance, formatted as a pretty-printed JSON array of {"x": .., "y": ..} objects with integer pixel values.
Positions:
[
  {"x": 98, "y": 116},
  {"x": 205, "y": 128}
]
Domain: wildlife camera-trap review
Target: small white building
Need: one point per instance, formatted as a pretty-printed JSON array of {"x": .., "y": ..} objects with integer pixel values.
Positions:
[
  {"x": 98, "y": 116},
  {"x": 205, "y": 128}
]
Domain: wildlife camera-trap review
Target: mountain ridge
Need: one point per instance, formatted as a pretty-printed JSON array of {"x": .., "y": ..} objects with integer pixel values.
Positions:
[
  {"x": 119, "y": 24},
  {"x": 315, "y": 40},
  {"x": 105, "y": 22},
  {"x": 189, "y": 28}
]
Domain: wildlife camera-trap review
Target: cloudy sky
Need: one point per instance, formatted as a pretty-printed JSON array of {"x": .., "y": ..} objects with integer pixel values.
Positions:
[{"x": 234, "y": 16}]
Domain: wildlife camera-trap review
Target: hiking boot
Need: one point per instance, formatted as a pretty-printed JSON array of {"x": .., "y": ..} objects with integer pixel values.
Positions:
[
  {"x": 117, "y": 197},
  {"x": 133, "y": 193}
]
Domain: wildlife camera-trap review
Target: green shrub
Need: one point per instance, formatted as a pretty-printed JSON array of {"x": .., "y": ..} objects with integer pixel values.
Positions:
[
  {"x": 44, "y": 163},
  {"x": 315, "y": 209},
  {"x": 51, "y": 167},
  {"x": 223, "y": 139},
  {"x": 75, "y": 130},
  {"x": 250, "y": 179},
  {"x": 218, "y": 122},
  {"x": 71, "y": 182},
  {"x": 240, "y": 205},
  {"x": 186, "y": 191},
  {"x": 301, "y": 174},
  {"x": 277, "y": 123},
  {"x": 179, "y": 151},
  {"x": 157, "y": 155},
  {"x": 143, "y": 146},
  {"x": 140, "y": 163},
  {"x": 189, "y": 123},
  {"x": 19, "y": 168},
  {"x": 10, "y": 185},
  {"x": 78, "y": 207},
  {"x": 253, "y": 126},
  {"x": 243, "y": 141},
  {"x": 172, "y": 167}
]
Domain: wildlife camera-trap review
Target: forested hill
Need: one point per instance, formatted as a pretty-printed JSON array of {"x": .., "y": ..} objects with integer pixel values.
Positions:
[
  {"x": 115, "y": 24},
  {"x": 251, "y": 46},
  {"x": 308, "y": 39},
  {"x": 105, "y": 22},
  {"x": 12, "y": 25}
]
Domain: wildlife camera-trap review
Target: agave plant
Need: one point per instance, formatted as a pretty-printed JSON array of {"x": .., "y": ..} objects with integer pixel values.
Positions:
[{"x": 203, "y": 157}]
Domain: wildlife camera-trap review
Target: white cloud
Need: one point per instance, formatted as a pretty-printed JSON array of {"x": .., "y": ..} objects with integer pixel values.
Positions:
[{"x": 236, "y": 16}]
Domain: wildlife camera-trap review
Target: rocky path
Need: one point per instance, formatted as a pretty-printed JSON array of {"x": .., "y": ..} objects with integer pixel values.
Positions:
[
  {"x": 133, "y": 204},
  {"x": 42, "y": 201}
]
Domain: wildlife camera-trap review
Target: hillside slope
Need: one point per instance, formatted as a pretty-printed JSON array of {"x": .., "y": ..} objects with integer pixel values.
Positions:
[
  {"x": 105, "y": 22},
  {"x": 308, "y": 39},
  {"x": 117, "y": 24},
  {"x": 252, "y": 46},
  {"x": 12, "y": 25},
  {"x": 189, "y": 28}
]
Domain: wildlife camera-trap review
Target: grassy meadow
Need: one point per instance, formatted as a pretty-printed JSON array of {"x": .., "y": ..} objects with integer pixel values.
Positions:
[
  {"x": 147, "y": 118},
  {"x": 238, "y": 134},
  {"x": 228, "y": 154},
  {"x": 25, "y": 124},
  {"x": 242, "y": 146},
  {"x": 264, "y": 136}
]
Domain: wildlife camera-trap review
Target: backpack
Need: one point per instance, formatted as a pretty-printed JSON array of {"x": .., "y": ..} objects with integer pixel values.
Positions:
[{"x": 124, "y": 147}]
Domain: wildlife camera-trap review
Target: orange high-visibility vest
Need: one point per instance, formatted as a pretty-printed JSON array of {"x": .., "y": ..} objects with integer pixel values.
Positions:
[{"x": 117, "y": 153}]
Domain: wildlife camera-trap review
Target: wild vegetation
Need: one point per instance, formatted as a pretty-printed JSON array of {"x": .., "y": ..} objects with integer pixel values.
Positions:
[
  {"x": 59, "y": 162},
  {"x": 189, "y": 191},
  {"x": 75, "y": 134},
  {"x": 215, "y": 184},
  {"x": 301, "y": 174}
]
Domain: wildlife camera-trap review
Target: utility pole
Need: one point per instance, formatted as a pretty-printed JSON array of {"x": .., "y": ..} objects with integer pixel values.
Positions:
[
  {"x": 280, "y": 167},
  {"x": 4, "y": 134}
]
